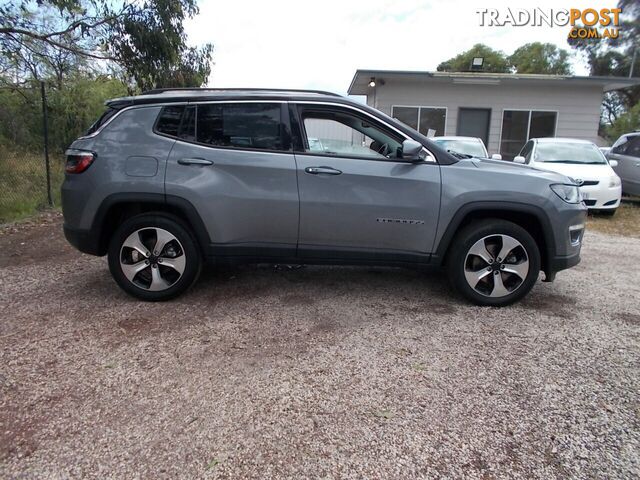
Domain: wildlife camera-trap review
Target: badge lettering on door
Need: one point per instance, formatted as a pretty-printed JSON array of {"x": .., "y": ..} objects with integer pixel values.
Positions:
[{"x": 404, "y": 221}]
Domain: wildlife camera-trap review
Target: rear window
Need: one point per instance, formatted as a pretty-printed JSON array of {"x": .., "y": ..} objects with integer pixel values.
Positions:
[
  {"x": 169, "y": 120},
  {"x": 243, "y": 125},
  {"x": 110, "y": 112}
]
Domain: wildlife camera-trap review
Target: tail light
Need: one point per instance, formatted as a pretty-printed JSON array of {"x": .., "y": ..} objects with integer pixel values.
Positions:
[{"x": 78, "y": 160}]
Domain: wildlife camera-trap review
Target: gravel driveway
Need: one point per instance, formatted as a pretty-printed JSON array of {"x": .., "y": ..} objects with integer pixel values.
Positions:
[{"x": 323, "y": 372}]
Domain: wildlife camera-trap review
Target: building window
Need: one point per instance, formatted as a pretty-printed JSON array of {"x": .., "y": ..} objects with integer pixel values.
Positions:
[
  {"x": 422, "y": 119},
  {"x": 518, "y": 126}
]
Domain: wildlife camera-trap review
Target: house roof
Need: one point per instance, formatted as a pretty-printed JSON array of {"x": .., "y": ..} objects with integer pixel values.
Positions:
[{"x": 360, "y": 83}]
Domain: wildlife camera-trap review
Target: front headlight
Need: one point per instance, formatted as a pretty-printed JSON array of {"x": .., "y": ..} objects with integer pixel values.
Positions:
[
  {"x": 614, "y": 181},
  {"x": 568, "y": 193}
]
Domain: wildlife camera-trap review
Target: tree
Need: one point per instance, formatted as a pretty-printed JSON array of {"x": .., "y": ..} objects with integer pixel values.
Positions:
[
  {"x": 613, "y": 57},
  {"x": 144, "y": 39},
  {"x": 544, "y": 58},
  {"x": 628, "y": 121},
  {"x": 151, "y": 46},
  {"x": 494, "y": 61}
]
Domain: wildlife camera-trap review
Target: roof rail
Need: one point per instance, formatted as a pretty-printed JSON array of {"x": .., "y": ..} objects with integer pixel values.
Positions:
[{"x": 205, "y": 89}]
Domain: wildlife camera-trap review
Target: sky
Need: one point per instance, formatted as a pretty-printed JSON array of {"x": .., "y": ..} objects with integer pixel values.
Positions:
[{"x": 320, "y": 44}]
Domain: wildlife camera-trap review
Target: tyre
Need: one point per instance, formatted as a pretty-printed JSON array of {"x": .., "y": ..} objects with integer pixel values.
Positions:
[
  {"x": 154, "y": 257},
  {"x": 493, "y": 262}
]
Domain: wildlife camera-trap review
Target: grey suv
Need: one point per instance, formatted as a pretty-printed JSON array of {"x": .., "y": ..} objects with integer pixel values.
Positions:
[
  {"x": 626, "y": 152},
  {"x": 168, "y": 179}
]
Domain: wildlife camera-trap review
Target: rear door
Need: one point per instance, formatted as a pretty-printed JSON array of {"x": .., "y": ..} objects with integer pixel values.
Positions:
[
  {"x": 234, "y": 162},
  {"x": 357, "y": 199}
]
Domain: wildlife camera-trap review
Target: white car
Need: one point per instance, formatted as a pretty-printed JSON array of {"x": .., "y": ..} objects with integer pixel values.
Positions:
[
  {"x": 581, "y": 160},
  {"x": 466, "y": 145}
]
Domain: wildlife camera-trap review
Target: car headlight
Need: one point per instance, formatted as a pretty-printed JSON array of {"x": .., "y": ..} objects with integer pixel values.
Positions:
[
  {"x": 614, "y": 181},
  {"x": 568, "y": 193}
]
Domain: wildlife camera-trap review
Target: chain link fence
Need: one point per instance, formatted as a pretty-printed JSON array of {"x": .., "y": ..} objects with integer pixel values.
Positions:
[
  {"x": 23, "y": 183},
  {"x": 29, "y": 179}
]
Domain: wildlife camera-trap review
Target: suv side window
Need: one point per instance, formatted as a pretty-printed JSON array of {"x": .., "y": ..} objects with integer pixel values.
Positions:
[
  {"x": 338, "y": 132},
  {"x": 169, "y": 121},
  {"x": 633, "y": 148},
  {"x": 623, "y": 143},
  {"x": 241, "y": 125}
]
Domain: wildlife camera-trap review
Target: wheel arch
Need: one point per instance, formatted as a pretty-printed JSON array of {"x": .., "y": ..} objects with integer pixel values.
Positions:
[
  {"x": 119, "y": 206},
  {"x": 530, "y": 217}
]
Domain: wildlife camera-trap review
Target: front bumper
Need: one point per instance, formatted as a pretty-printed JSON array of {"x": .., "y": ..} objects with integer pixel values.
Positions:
[
  {"x": 601, "y": 196},
  {"x": 568, "y": 232},
  {"x": 558, "y": 263}
]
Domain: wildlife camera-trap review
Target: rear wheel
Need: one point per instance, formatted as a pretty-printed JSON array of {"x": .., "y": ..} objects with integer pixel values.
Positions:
[
  {"x": 494, "y": 262},
  {"x": 154, "y": 257}
]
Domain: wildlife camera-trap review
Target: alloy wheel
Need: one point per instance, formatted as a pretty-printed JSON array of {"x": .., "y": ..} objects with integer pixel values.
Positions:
[
  {"x": 496, "y": 265},
  {"x": 152, "y": 259}
]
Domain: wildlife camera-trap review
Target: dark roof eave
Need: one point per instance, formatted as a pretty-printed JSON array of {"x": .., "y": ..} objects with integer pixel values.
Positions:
[{"x": 608, "y": 83}]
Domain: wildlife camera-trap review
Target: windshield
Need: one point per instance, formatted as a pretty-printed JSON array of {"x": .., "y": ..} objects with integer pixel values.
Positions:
[
  {"x": 583, "y": 153},
  {"x": 467, "y": 147}
]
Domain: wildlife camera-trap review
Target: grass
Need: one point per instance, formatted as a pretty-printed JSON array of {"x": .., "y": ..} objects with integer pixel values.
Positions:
[
  {"x": 625, "y": 222},
  {"x": 23, "y": 183}
]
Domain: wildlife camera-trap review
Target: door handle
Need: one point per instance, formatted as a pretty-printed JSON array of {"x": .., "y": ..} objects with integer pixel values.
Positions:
[
  {"x": 322, "y": 170},
  {"x": 194, "y": 161}
]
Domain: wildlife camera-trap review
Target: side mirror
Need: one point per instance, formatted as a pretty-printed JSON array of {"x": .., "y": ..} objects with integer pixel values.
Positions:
[
  {"x": 411, "y": 150},
  {"x": 496, "y": 156},
  {"x": 613, "y": 163},
  {"x": 519, "y": 159}
]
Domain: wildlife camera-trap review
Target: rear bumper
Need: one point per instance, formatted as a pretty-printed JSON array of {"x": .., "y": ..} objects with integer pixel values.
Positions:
[{"x": 83, "y": 240}]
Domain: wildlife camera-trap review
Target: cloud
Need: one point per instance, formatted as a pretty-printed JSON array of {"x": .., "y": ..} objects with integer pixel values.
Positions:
[{"x": 306, "y": 44}]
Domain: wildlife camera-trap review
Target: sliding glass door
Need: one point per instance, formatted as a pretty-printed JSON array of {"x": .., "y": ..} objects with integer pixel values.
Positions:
[
  {"x": 518, "y": 126},
  {"x": 422, "y": 119}
]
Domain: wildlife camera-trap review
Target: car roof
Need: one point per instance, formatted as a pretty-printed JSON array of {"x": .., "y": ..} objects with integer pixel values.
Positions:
[
  {"x": 456, "y": 137},
  {"x": 170, "y": 95},
  {"x": 562, "y": 140}
]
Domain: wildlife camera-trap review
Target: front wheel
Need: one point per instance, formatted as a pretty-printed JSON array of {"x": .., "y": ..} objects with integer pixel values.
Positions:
[
  {"x": 154, "y": 257},
  {"x": 494, "y": 262}
]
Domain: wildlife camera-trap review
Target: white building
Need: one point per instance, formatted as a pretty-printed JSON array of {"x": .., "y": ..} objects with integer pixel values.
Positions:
[{"x": 505, "y": 110}]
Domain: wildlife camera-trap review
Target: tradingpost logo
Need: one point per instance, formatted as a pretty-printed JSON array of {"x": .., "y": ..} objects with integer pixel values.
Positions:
[{"x": 584, "y": 23}]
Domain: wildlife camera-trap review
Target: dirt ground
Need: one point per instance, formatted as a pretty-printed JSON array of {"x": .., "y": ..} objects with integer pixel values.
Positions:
[{"x": 319, "y": 372}]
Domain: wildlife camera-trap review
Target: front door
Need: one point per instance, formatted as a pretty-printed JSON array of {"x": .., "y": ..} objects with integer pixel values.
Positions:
[
  {"x": 357, "y": 198},
  {"x": 474, "y": 122},
  {"x": 237, "y": 168}
]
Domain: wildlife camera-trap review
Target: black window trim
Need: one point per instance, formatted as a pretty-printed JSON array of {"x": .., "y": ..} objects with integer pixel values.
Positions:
[
  {"x": 320, "y": 106},
  {"x": 284, "y": 120}
]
